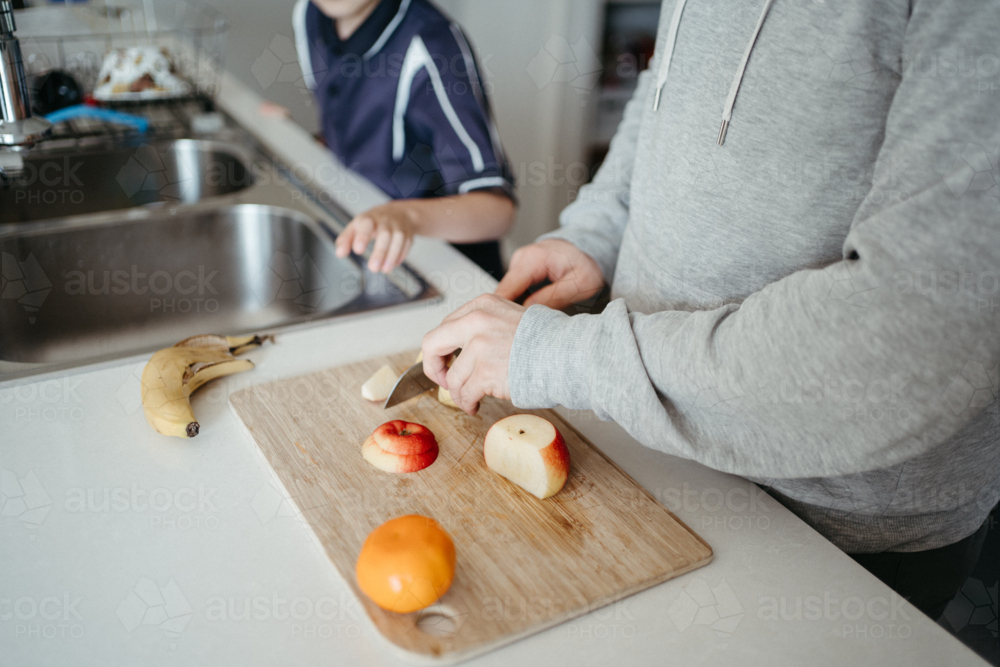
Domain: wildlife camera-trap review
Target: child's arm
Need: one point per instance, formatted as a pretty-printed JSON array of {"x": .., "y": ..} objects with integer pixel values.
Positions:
[{"x": 466, "y": 218}]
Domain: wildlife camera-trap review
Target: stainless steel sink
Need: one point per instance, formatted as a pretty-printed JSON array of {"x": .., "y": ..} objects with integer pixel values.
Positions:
[
  {"x": 170, "y": 239},
  {"x": 113, "y": 289},
  {"x": 58, "y": 184}
]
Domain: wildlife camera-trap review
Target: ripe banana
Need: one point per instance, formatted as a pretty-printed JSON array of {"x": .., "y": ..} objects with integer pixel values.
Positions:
[{"x": 174, "y": 373}]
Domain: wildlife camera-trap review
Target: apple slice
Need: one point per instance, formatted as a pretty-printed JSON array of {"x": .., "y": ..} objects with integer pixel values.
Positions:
[
  {"x": 395, "y": 463},
  {"x": 444, "y": 396},
  {"x": 404, "y": 438},
  {"x": 379, "y": 385},
  {"x": 530, "y": 452}
]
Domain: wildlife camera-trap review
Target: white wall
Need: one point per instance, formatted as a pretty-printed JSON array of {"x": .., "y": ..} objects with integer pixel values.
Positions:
[
  {"x": 539, "y": 60},
  {"x": 260, "y": 51},
  {"x": 543, "y": 121}
]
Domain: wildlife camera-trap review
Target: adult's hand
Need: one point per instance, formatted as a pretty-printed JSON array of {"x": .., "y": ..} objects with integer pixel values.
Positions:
[
  {"x": 484, "y": 330},
  {"x": 574, "y": 275}
]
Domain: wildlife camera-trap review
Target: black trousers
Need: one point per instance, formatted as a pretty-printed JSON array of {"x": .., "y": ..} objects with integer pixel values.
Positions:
[
  {"x": 927, "y": 579},
  {"x": 485, "y": 254}
]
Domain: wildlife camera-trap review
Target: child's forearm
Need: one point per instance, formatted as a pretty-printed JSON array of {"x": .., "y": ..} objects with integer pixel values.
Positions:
[{"x": 467, "y": 218}]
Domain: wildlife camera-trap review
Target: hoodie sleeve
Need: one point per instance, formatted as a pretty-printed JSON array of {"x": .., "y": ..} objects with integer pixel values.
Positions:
[
  {"x": 857, "y": 366},
  {"x": 596, "y": 220}
]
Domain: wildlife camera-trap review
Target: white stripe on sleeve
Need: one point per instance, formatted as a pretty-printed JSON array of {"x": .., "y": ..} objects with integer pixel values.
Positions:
[
  {"x": 302, "y": 42},
  {"x": 418, "y": 58},
  {"x": 478, "y": 183},
  {"x": 473, "y": 74}
]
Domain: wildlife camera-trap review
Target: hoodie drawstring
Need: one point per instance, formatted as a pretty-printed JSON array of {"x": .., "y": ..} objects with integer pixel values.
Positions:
[
  {"x": 734, "y": 88},
  {"x": 661, "y": 76}
]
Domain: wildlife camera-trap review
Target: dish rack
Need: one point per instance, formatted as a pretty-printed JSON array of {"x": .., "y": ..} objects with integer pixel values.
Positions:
[{"x": 75, "y": 37}]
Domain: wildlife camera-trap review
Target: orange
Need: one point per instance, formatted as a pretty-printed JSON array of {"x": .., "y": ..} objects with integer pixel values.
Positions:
[{"x": 406, "y": 564}]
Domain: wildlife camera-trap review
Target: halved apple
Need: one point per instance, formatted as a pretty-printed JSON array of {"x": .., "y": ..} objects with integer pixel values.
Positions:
[
  {"x": 395, "y": 463},
  {"x": 404, "y": 438},
  {"x": 530, "y": 452}
]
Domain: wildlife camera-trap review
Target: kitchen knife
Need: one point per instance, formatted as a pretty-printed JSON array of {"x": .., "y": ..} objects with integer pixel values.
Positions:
[{"x": 411, "y": 383}]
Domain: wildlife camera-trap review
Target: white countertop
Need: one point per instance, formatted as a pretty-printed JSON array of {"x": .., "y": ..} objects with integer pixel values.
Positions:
[{"x": 195, "y": 531}]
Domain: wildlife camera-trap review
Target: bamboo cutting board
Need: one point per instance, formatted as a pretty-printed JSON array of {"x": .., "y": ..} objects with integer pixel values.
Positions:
[{"x": 523, "y": 564}]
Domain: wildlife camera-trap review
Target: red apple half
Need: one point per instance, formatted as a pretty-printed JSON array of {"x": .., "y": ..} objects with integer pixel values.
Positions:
[
  {"x": 404, "y": 438},
  {"x": 530, "y": 452},
  {"x": 395, "y": 463}
]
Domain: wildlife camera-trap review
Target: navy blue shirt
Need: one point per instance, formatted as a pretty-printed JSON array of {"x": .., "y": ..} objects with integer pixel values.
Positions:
[{"x": 402, "y": 102}]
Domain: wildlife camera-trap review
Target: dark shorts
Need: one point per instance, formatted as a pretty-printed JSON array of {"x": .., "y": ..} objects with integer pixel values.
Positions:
[
  {"x": 486, "y": 255},
  {"x": 928, "y": 579}
]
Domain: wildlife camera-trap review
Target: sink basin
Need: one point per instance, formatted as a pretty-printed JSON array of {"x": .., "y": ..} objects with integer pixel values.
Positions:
[
  {"x": 60, "y": 184},
  {"x": 81, "y": 292}
]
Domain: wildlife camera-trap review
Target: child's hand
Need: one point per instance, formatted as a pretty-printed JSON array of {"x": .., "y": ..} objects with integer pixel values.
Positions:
[
  {"x": 391, "y": 226},
  {"x": 271, "y": 109}
]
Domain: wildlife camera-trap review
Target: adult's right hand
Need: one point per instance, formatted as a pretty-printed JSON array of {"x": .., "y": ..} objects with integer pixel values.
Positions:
[{"x": 574, "y": 275}]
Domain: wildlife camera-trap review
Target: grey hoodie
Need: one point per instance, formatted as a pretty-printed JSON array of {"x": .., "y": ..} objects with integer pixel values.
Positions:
[{"x": 813, "y": 304}]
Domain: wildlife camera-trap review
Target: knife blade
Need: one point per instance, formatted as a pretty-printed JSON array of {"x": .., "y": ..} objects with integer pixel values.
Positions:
[{"x": 411, "y": 383}]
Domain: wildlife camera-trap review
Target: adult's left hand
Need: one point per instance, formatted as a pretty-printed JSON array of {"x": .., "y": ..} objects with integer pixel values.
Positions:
[{"x": 484, "y": 330}]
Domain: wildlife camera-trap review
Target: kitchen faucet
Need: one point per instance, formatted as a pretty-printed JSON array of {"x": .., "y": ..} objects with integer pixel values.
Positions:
[{"x": 18, "y": 128}]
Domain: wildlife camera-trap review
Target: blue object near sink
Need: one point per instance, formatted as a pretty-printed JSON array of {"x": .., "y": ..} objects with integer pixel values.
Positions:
[{"x": 97, "y": 113}]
